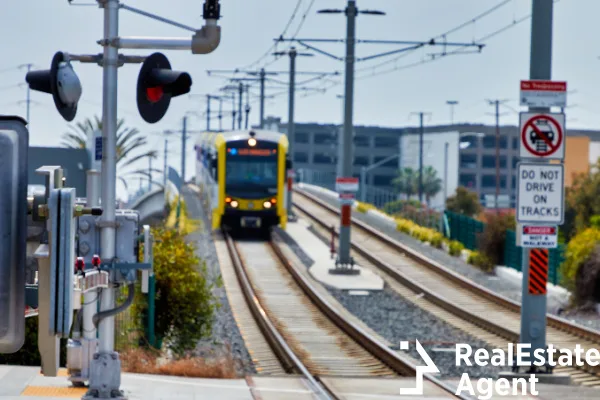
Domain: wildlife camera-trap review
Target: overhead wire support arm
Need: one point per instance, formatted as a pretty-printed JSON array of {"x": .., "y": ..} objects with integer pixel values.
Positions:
[{"x": 204, "y": 40}]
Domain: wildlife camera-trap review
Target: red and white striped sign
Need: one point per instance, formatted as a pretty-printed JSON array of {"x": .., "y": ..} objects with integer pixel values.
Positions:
[
  {"x": 540, "y": 93},
  {"x": 345, "y": 184}
]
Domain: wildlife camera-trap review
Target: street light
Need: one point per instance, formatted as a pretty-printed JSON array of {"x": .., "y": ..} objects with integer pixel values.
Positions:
[{"x": 363, "y": 175}]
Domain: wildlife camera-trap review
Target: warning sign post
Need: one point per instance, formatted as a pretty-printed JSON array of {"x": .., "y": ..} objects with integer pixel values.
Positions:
[
  {"x": 540, "y": 197},
  {"x": 542, "y": 136}
]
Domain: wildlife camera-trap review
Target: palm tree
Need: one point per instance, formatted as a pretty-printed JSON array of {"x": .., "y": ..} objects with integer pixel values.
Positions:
[
  {"x": 432, "y": 184},
  {"x": 406, "y": 182},
  {"x": 128, "y": 140}
]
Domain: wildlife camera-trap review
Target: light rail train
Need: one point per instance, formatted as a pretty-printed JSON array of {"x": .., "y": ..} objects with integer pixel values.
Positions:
[{"x": 242, "y": 177}]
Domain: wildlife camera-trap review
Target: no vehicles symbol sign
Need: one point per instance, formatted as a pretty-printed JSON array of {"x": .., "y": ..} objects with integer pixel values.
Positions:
[{"x": 542, "y": 136}]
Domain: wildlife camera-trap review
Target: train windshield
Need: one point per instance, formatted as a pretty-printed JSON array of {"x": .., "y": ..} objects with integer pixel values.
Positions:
[{"x": 251, "y": 177}]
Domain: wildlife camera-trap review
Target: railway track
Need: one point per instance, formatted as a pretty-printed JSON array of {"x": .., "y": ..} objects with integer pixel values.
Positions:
[
  {"x": 460, "y": 302},
  {"x": 306, "y": 335}
]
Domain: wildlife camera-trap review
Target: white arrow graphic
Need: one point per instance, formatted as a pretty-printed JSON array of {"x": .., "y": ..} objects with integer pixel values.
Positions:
[{"x": 430, "y": 367}]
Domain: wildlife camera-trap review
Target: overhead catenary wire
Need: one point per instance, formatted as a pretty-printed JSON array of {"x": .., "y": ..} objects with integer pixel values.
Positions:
[
  {"x": 463, "y": 25},
  {"x": 274, "y": 45}
]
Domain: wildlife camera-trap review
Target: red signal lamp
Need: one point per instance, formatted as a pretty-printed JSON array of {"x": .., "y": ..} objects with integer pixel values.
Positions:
[{"x": 154, "y": 94}]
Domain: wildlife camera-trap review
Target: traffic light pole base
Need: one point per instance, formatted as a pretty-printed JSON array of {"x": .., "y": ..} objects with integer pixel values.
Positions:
[
  {"x": 105, "y": 377},
  {"x": 344, "y": 268}
]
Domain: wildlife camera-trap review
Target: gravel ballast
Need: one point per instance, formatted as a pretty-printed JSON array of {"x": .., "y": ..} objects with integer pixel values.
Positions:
[
  {"x": 506, "y": 287},
  {"x": 225, "y": 338},
  {"x": 397, "y": 319}
]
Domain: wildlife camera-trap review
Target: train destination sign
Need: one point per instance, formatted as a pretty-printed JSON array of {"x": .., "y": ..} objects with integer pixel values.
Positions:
[{"x": 540, "y": 198}]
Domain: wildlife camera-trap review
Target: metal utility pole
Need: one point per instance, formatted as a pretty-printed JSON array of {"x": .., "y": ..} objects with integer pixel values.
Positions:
[
  {"x": 496, "y": 104},
  {"x": 220, "y": 114},
  {"x": 208, "y": 97},
  {"x": 452, "y": 103},
  {"x": 106, "y": 327},
  {"x": 240, "y": 100},
  {"x": 262, "y": 98},
  {"x": 533, "y": 309},
  {"x": 182, "y": 181},
  {"x": 351, "y": 13},
  {"x": 150, "y": 172},
  {"x": 28, "y": 100},
  {"x": 233, "y": 112},
  {"x": 291, "y": 126},
  {"x": 421, "y": 135},
  {"x": 165, "y": 172},
  {"x": 247, "y": 110}
]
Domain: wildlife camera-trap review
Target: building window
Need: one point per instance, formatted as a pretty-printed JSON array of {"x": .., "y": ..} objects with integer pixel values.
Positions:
[
  {"x": 468, "y": 160},
  {"x": 393, "y": 163},
  {"x": 301, "y": 137},
  {"x": 382, "y": 180},
  {"x": 321, "y": 158},
  {"x": 325, "y": 138},
  {"x": 489, "y": 181},
  {"x": 489, "y": 142},
  {"x": 300, "y": 157},
  {"x": 468, "y": 180},
  {"x": 361, "y": 160},
  {"x": 361, "y": 140},
  {"x": 490, "y": 162},
  {"x": 515, "y": 143},
  {"x": 386, "y": 141},
  {"x": 469, "y": 142}
]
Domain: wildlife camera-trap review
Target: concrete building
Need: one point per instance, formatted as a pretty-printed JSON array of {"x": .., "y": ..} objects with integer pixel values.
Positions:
[
  {"x": 471, "y": 154},
  {"x": 75, "y": 163}
]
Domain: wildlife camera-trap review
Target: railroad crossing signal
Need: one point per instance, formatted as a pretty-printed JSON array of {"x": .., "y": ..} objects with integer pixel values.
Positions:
[
  {"x": 157, "y": 84},
  {"x": 61, "y": 82},
  {"x": 14, "y": 142}
]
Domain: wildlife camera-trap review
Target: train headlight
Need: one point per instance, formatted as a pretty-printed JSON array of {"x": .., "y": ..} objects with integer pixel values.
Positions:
[
  {"x": 234, "y": 204},
  {"x": 267, "y": 204},
  {"x": 251, "y": 142}
]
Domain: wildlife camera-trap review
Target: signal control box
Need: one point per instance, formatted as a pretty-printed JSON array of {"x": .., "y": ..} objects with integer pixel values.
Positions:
[{"x": 126, "y": 238}]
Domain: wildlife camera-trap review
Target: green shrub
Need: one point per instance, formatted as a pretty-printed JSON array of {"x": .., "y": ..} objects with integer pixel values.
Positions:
[
  {"x": 398, "y": 206},
  {"x": 481, "y": 261},
  {"x": 184, "y": 304},
  {"x": 578, "y": 251},
  {"x": 456, "y": 248},
  {"x": 595, "y": 221},
  {"x": 491, "y": 241},
  {"x": 436, "y": 240}
]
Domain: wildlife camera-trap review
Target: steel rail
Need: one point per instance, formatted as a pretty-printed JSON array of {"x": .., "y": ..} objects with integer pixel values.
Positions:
[
  {"x": 287, "y": 356},
  {"x": 395, "y": 361},
  {"x": 466, "y": 284},
  {"x": 554, "y": 321}
]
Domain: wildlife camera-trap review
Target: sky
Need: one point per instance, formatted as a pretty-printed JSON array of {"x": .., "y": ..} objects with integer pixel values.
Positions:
[{"x": 33, "y": 30}]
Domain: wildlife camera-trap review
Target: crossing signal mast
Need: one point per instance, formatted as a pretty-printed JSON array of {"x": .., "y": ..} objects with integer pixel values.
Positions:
[{"x": 157, "y": 84}]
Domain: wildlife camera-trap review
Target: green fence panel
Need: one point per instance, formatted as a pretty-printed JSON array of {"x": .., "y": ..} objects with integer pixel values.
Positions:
[
  {"x": 464, "y": 229},
  {"x": 513, "y": 254}
]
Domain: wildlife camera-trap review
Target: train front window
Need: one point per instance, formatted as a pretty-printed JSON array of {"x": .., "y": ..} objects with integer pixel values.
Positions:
[{"x": 251, "y": 176}]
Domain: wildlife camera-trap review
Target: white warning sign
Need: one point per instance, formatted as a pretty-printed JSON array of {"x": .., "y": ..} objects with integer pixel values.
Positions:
[
  {"x": 538, "y": 237},
  {"x": 540, "y": 199}
]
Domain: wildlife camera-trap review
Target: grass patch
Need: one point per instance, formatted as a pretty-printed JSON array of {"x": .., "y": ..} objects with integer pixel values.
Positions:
[{"x": 143, "y": 361}]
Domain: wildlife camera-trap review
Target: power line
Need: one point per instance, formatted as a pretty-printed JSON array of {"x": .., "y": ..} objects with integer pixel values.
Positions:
[
  {"x": 454, "y": 52},
  {"x": 274, "y": 45},
  {"x": 442, "y": 35}
]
